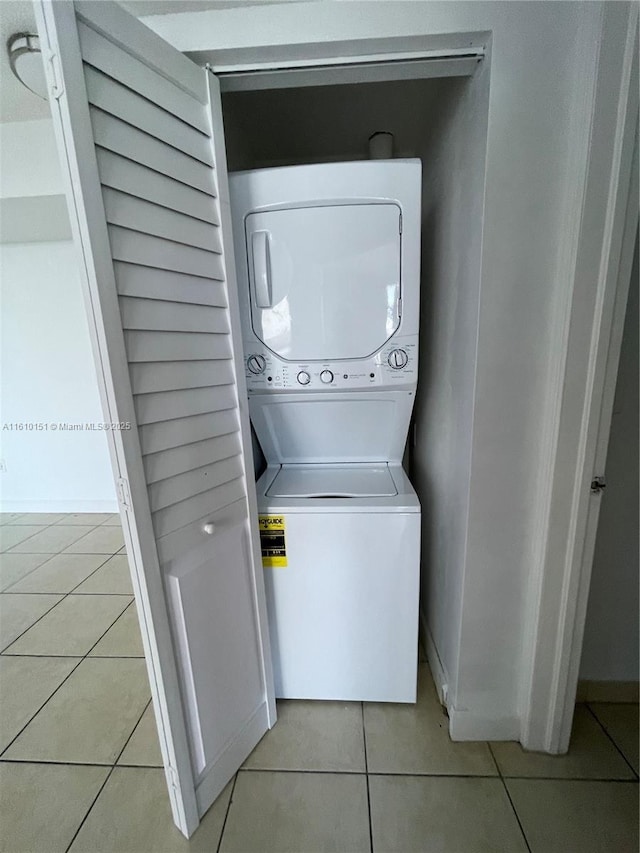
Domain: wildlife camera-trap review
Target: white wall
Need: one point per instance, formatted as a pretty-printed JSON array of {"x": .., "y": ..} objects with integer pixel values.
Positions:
[
  {"x": 48, "y": 377},
  {"x": 537, "y": 105},
  {"x": 611, "y": 638},
  {"x": 46, "y": 364},
  {"x": 453, "y": 202},
  {"x": 29, "y": 160}
]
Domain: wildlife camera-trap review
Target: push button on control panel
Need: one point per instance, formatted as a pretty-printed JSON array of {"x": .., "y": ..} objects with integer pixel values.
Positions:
[
  {"x": 303, "y": 377},
  {"x": 398, "y": 359},
  {"x": 327, "y": 377},
  {"x": 256, "y": 364}
]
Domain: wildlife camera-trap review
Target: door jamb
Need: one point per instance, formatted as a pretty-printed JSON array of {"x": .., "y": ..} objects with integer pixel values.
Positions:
[{"x": 558, "y": 593}]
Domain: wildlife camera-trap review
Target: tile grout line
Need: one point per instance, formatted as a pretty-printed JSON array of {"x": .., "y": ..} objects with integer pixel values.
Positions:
[
  {"x": 64, "y": 595},
  {"x": 63, "y": 657},
  {"x": 30, "y": 720},
  {"x": 226, "y": 814},
  {"x": 73, "y": 591},
  {"x": 65, "y": 552},
  {"x": 26, "y": 539},
  {"x": 8, "y": 591},
  {"x": 511, "y": 803},
  {"x": 109, "y": 774},
  {"x": 602, "y": 726},
  {"x": 332, "y": 772},
  {"x": 44, "y": 527},
  {"x": 82, "y": 658},
  {"x": 366, "y": 770},
  {"x": 22, "y": 633}
]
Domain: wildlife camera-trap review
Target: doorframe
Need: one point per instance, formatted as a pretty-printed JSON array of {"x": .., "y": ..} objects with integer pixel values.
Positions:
[
  {"x": 549, "y": 664},
  {"x": 560, "y": 580}
]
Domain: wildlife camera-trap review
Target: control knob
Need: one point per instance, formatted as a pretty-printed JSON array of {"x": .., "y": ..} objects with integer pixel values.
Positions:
[
  {"x": 303, "y": 378},
  {"x": 398, "y": 359},
  {"x": 256, "y": 363},
  {"x": 327, "y": 377}
]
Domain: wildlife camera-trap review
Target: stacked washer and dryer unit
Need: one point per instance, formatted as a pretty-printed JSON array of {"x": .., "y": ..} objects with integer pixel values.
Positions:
[{"x": 328, "y": 262}]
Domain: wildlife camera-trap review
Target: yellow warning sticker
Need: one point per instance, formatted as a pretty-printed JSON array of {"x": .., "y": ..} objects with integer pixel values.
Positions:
[{"x": 272, "y": 541}]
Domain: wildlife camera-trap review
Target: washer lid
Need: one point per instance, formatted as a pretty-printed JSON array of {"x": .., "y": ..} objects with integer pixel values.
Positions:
[
  {"x": 324, "y": 281},
  {"x": 331, "y": 481}
]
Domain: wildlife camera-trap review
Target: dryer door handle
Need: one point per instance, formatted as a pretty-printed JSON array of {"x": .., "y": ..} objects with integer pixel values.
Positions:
[{"x": 261, "y": 268}]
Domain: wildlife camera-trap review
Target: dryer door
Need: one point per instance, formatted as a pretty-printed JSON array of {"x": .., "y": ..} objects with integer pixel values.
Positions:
[{"x": 325, "y": 281}]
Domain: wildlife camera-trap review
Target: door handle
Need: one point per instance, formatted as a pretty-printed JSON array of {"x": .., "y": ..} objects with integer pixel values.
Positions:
[{"x": 261, "y": 268}]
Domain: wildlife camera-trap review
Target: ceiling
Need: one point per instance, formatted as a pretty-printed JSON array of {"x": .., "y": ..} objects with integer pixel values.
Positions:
[{"x": 18, "y": 103}]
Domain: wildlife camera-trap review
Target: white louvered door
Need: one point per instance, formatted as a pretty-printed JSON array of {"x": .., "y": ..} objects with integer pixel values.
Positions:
[{"x": 139, "y": 130}]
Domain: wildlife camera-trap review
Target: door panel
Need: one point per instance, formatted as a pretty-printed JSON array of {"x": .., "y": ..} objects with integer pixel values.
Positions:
[
  {"x": 134, "y": 125},
  {"x": 212, "y": 602}
]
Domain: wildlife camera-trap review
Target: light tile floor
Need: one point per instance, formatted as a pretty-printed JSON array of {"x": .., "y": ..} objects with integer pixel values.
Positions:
[{"x": 80, "y": 766}]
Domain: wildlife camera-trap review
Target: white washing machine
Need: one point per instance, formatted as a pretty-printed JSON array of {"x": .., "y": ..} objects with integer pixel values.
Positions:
[{"x": 328, "y": 260}]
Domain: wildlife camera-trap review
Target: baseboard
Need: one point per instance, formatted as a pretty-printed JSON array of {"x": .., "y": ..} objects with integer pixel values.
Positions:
[
  {"x": 59, "y": 506},
  {"x": 608, "y": 691},
  {"x": 467, "y": 725},
  {"x": 436, "y": 666}
]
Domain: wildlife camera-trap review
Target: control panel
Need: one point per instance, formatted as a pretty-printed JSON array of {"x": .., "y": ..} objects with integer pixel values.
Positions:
[{"x": 395, "y": 364}]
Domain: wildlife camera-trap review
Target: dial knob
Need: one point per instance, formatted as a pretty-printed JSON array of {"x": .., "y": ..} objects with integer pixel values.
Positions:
[
  {"x": 256, "y": 363},
  {"x": 303, "y": 377},
  {"x": 327, "y": 377},
  {"x": 398, "y": 359}
]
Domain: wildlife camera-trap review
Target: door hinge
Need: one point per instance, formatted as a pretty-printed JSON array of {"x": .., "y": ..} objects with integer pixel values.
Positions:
[
  {"x": 598, "y": 485},
  {"x": 57, "y": 86},
  {"x": 124, "y": 498}
]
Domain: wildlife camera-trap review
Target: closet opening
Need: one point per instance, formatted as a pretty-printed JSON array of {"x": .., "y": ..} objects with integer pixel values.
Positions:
[{"x": 287, "y": 117}]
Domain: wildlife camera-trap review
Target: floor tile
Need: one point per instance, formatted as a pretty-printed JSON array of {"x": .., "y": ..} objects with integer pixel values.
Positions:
[
  {"x": 13, "y": 567},
  {"x": 72, "y": 627},
  {"x": 415, "y": 738},
  {"x": 313, "y": 736},
  {"x": 101, "y": 540},
  {"x": 25, "y": 685},
  {"x": 447, "y": 815},
  {"x": 114, "y": 520},
  {"x": 586, "y": 817},
  {"x": 50, "y": 540},
  {"x": 9, "y": 517},
  {"x": 622, "y": 723},
  {"x": 43, "y": 805},
  {"x": 89, "y": 719},
  {"x": 112, "y": 577},
  {"x": 137, "y": 799},
  {"x": 143, "y": 748},
  {"x": 39, "y": 518},
  {"x": 123, "y": 638},
  {"x": 274, "y": 812},
  {"x": 19, "y": 612},
  {"x": 591, "y": 755},
  {"x": 60, "y": 573},
  {"x": 85, "y": 519},
  {"x": 13, "y": 534}
]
